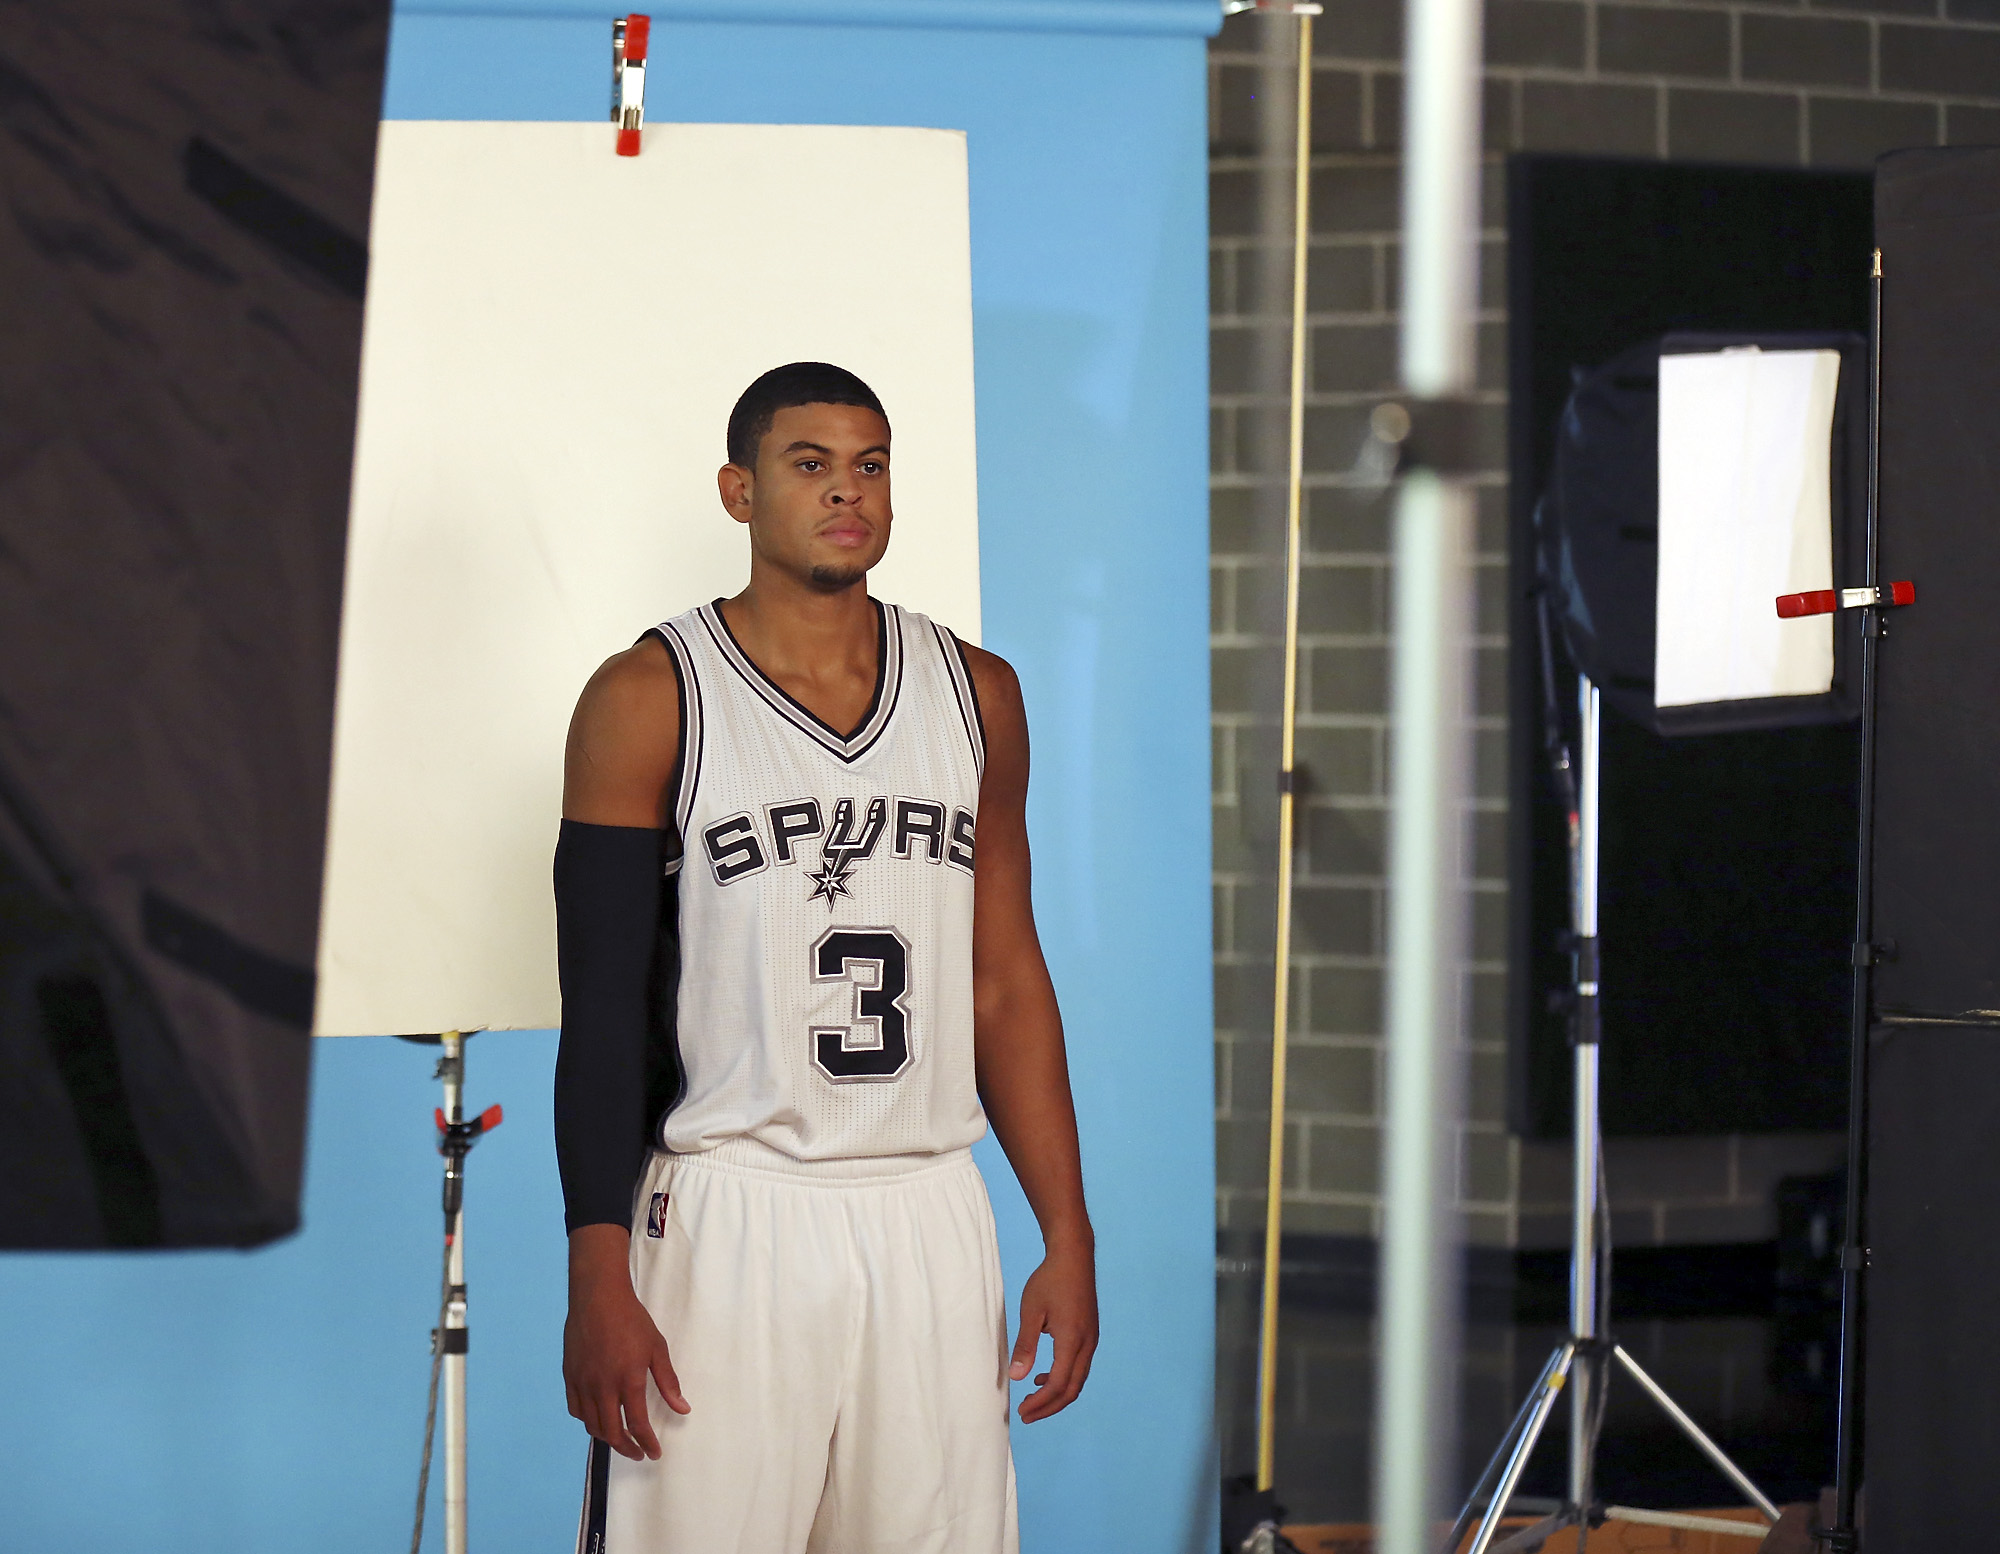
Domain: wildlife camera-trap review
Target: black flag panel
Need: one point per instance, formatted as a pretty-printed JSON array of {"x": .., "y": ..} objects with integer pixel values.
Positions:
[
  {"x": 182, "y": 263},
  {"x": 1933, "y": 1357},
  {"x": 1937, "y": 828}
]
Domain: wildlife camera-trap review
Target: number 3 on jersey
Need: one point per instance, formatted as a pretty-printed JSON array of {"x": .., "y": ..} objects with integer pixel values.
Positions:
[{"x": 875, "y": 1045}]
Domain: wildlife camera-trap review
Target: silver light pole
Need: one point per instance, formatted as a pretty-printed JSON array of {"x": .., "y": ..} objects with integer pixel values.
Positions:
[
  {"x": 453, "y": 1339},
  {"x": 450, "y": 1340},
  {"x": 1584, "y": 1358},
  {"x": 1415, "y": 1393},
  {"x": 1583, "y": 1291}
]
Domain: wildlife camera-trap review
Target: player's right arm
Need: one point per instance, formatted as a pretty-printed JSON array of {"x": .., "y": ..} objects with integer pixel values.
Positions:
[{"x": 617, "y": 770}]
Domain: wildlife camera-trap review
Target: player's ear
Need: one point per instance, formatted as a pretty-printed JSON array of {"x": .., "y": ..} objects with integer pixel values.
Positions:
[{"x": 735, "y": 483}]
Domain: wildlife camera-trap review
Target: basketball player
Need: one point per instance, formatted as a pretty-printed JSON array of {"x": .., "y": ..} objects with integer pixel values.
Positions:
[{"x": 786, "y": 1314}]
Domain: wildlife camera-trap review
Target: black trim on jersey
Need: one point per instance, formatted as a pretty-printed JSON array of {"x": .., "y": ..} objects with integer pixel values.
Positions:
[
  {"x": 881, "y": 708},
  {"x": 596, "y": 1487},
  {"x": 677, "y": 841},
  {"x": 958, "y": 669},
  {"x": 687, "y": 759}
]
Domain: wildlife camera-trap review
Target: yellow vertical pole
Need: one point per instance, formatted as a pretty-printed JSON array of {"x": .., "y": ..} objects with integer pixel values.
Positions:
[{"x": 1267, "y": 1344}]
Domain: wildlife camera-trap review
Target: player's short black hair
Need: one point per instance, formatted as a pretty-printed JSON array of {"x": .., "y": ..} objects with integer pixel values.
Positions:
[{"x": 782, "y": 388}]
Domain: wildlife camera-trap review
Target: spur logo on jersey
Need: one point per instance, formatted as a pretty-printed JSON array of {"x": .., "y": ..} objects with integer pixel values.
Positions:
[{"x": 849, "y": 832}]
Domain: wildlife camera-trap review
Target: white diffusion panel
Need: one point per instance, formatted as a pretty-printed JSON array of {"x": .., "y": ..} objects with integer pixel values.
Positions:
[
  {"x": 555, "y": 336},
  {"x": 1745, "y": 515}
]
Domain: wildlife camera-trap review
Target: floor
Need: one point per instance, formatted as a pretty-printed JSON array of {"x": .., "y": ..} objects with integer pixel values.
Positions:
[{"x": 1756, "y": 1380}]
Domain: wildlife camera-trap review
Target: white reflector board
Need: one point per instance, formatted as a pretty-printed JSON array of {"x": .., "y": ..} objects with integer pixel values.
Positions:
[
  {"x": 555, "y": 336},
  {"x": 1746, "y": 446}
]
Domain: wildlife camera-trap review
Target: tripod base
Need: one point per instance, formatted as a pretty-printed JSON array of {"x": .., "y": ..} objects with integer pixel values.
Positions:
[
  {"x": 1526, "y": 1540},
  {"x": 1510, "y": 1461}
]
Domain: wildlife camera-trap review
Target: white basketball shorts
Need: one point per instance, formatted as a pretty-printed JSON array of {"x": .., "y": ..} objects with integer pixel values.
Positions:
[{"x": 839, "y": 1330}]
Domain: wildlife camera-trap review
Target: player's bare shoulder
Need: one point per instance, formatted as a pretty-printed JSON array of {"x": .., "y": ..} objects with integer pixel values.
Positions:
[
  {"x": 624, "y": 739},
  {"x": 1005, "y": 724},
  {"x": 998, "y": 688}
]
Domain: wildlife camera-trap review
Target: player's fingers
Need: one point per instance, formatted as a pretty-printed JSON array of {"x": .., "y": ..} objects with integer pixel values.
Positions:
[
  {"x": 668, "y": 1380},
  {"x": 1068, "y": 1344},
  {"x": 638, "y": 1422},
  {"x": 604, "y": 1419},
  {"x": 1033, "y": 1319},
  {"x": 591, "y": 1415},
  {"x": 570, "y": 1397},
  {"x": 1057, "y": 1387},
  {"x": 1079, "y": 1372}
]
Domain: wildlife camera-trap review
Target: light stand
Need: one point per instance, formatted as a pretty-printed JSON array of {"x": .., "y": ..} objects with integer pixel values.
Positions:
[
  {"x": 1843, "y": 1537},
  {"x": 451, "y": 1338},
  {"x": 1584, "y": 1357},
  {"x": 1874, "y": 601}
]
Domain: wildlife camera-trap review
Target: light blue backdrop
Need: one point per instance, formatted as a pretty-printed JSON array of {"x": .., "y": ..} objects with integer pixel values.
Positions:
[{"x": 222, "y": 1402}]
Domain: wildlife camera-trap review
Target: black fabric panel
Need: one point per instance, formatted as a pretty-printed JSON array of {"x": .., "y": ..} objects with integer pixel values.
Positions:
[
  {"x": 267, "y": 212},
  {"x": 617, "y": 938},
  {"x": 1933, "y": 1369},
  {"x": 259, "y": 982},
  {"x": 183, "y": 184},
  {"x": 1937, "y": 838},
  {"x": 65, "y": 1117},
  {"x": 77, "y": 1021}
]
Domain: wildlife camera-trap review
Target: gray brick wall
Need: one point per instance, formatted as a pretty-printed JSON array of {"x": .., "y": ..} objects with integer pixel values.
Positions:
[
  {"x": 1674, "y": 1191},
  {"x": 1776, "y": 83}
]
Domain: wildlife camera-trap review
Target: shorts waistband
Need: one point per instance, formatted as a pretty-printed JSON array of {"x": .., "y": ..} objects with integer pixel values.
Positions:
[{"x": 755, "y": 1157}]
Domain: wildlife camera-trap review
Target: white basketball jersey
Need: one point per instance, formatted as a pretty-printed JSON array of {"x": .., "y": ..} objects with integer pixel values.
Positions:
[{"x": 826, "y": 902}]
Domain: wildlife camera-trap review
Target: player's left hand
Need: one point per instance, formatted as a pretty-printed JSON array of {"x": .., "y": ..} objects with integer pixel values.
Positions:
[{"x": 1060, "y": 1299}]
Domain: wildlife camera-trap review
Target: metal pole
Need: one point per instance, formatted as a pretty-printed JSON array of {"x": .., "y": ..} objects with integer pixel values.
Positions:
[
  {"x": 1699, "y": 1436},
  {"x": 1586, "y": 1140},
  {"x": 1843, "y": 1537},
  {"x": 451, "y": 1069},
  {"x": 1540, "y": 1402},
  {"x": 1427, "y": 908},
  {"x": 1274, "y": 1183}
]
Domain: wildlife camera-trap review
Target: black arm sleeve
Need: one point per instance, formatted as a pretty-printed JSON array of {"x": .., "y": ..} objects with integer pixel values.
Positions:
[{"x": 609, "y": 931}]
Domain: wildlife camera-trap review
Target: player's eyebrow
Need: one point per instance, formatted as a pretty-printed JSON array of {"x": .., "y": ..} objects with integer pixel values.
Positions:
[{"x": 814, "y": 447}]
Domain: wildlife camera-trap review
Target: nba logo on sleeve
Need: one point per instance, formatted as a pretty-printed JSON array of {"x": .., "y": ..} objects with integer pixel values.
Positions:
[{"x": 656, "y": 1216}]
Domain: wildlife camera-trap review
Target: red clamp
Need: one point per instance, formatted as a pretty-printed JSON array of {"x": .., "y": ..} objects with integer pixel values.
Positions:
[
  {"x": 629, "y": 37},
  {"x": 462, "y": 1135},
  {"x": 1824, "y": 601}
]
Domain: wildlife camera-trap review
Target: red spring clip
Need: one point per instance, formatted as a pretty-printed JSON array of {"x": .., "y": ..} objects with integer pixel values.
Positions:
[
  {"x": 1824, "y": 601},
  {"x": 630, "y": 36}
]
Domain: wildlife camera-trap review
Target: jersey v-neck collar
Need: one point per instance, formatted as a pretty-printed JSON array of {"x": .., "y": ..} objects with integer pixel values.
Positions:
[{"x": 888, "y": 684}]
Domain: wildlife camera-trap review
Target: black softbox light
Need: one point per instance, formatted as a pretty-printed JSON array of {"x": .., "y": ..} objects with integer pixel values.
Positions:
[
  {"x": 1597, "y": 531},
  {"x": 182, "y": 262}
]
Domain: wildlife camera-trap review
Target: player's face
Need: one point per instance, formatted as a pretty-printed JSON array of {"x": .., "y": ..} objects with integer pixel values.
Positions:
[{"x": 818, "y": 501}]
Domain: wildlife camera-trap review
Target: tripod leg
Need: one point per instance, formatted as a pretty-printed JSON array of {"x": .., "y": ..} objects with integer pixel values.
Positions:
[
  {"x": 1537, "y": 1410},
  {"x": 1501, "y": 1452},
  {"x": 1695, "y": 1433},
  {"x": 1530, "y": 1539}
]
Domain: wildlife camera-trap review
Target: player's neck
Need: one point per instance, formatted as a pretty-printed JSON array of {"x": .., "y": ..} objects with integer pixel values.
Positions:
[{"x": 820, "y": 645}]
